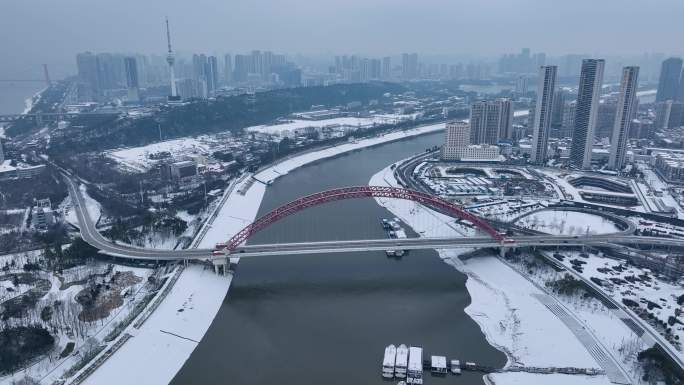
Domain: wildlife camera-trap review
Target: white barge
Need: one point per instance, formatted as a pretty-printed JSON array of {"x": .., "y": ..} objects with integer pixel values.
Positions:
[
  {"x": 438, "y": 365},
  {"x": 415, "y": 366},
  {"x": 401, "y": 363},
  {"x": 388, "y": 361}
]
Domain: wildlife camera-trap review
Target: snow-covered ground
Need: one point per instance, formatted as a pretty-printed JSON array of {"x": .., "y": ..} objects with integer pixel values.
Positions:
[
  {"x": 137, "y": 158},
  {"x": 292, "y": 126},
  {"x": 623, "y": 281},
  {"x": 30, "y": 102},
  {"x": 506, "y": 306},
  {"x": 67, "y": 321},
  {"x": 547, "y": 379},
  {"x": 93, "y": 206},
  {"x": 165, "y": 341},
  {"x": 237, "y": 212},
  {"x": 559, "y": 222}
]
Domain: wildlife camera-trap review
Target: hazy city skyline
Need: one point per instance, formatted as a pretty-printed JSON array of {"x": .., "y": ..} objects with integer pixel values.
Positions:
[{"x": 45, "y": 31}]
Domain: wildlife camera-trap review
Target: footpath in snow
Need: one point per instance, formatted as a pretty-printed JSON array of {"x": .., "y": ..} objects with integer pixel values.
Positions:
[
  {"x": 504, "y": 306},
  {"x": 158, "y": 350}
]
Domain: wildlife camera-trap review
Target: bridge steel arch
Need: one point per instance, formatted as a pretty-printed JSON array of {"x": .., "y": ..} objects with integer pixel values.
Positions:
[{"x": 343, "y": 193}]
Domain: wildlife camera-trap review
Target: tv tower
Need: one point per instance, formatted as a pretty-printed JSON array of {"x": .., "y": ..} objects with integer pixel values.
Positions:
[{"x": 170, "y": 58}]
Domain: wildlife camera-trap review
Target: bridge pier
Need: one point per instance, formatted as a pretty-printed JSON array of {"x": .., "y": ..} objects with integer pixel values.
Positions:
[{"x": 220, "y": 265}]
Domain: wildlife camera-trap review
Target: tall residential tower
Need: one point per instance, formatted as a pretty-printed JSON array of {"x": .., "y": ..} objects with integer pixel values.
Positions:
[
  {"x": 586, "y": 112},
  {"x": 132, "y": 79},
  {"x": 623, "y": 117},
  {"x": 668, "y": 84},
  {"x": 543, "y": 113},
  {"x": 491, "y": 120}
]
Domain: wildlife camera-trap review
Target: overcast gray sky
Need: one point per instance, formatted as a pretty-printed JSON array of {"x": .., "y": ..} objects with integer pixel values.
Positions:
[{"x": 52, "y": 31}]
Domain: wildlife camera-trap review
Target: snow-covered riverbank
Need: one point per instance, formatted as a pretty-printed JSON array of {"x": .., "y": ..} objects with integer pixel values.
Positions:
[
  {"x": 30, "y": 102},
  {"x": 504, "y": 304},
  {"x": 243, "y": 204},
  {"x": 158, "y": 350}
]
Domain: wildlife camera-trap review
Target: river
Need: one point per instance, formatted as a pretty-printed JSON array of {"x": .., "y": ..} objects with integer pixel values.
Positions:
[
  {"x": 13, "y": 95},
  {"x": 326, "y": 319}
]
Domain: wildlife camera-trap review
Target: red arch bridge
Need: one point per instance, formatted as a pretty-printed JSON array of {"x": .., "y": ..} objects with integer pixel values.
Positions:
[{"x": 343, "y": 193}]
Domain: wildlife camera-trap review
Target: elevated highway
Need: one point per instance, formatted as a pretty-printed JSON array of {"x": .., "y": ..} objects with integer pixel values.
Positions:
[{"x": 90, "y": 235}]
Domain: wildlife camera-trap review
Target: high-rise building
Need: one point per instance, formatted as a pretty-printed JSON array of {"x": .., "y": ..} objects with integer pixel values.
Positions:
[
  {"x": 623, "y": 117},
  {"x": 211, "y": 73},
  {"x": 568, "y": 118},
  {"x": 242, "y": 64},
  {"x": 521, "y": 85},
  {"x": 288, "y": 74},
  {"x": 457, "y": 136},
  {"x": 132, "y": 80},
  {"x": 505, "y": 118},
  {"x": 409, "y": 64},
  {"x": 605, "y": 121},
  {"x": 586, "y": 112},
  {"x": 457, "y": 145},
  {"x": 543, "y": 113},
  {"x": 187, "y": 88},
  {"x": 491, "y": 120},
  {"x": 669, "y": 114},
  {"x": 2, "y": 154},
  {"x": 111, "y": 71},
  {"x": 375, "y": 69},
  {"x": 668, "y": 84},
  {"x": 559, "y": 99},
  {"x": 227, "y": 69},
  {"x": 386, "y": 67},
  {"x": 88, "y": 76}
]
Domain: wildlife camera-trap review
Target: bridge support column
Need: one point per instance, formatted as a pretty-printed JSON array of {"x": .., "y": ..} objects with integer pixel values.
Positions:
[
  {"x": 502, "y": 251},
  {"x": 220, "y": 265}
]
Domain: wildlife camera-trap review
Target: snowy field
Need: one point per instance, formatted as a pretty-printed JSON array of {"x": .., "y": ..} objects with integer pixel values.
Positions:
[
  {"x": 291, "y": 127},
  {"x": 505, "y": 306},
  {"x": 137, "y": 158},
  {"x": 568, "y": 223}
]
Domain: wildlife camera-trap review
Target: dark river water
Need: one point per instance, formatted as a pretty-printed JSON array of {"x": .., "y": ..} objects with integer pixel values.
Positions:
[
  {"x": 13, "y": 95},
  {"x": 326, "y": 319}
]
